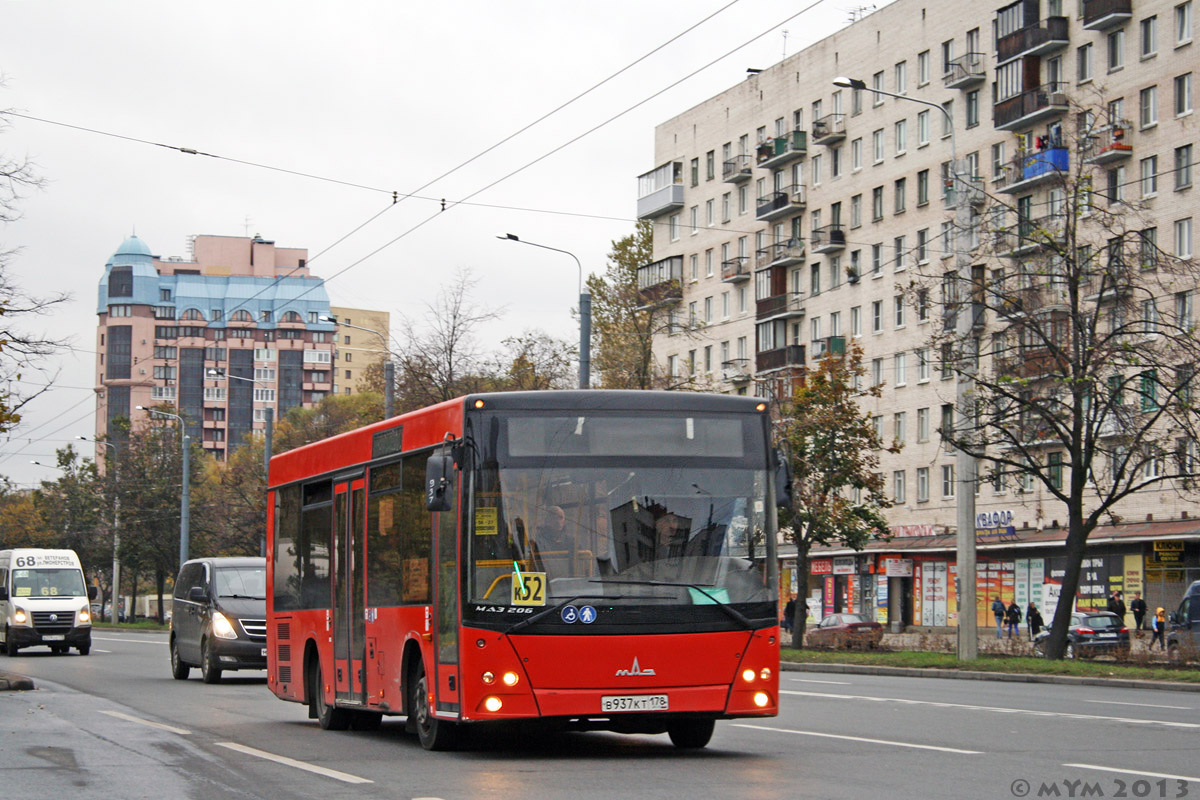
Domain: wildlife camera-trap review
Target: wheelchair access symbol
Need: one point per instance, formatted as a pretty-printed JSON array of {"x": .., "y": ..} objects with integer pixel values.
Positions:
[{"x": 569, "y": 614}]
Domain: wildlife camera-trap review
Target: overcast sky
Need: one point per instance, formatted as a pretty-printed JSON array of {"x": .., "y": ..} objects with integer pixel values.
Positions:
[{"x": 387, "y": 95}]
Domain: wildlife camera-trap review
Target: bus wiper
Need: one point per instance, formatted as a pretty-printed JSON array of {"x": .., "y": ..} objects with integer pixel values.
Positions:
[
  {"x": 243, "y": 596},
  {"x": 729, "y": 610}
]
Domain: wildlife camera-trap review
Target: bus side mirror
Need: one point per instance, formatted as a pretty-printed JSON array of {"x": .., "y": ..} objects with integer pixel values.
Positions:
[
  {"x": 439, "y": 471},
  {"x": 783, "y": 478}
]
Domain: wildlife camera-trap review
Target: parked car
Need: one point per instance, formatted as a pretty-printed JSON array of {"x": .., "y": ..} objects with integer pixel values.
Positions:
[
  {"x": 846, "y": 630},
  {"x": 1092, "y": 633},
  {"x": 1183, "y": 636},
  {"x": 219, "y": 617}
]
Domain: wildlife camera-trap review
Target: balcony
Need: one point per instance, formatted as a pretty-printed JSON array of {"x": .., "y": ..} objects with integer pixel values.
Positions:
[
  {"x": 737, "y": 170},
  {"x": 784, "y": 254},
  {"x": 781, "y": 150},
  {"x": 781, "y": 306},
  {"x": 828, "y": 239},
  {"x": 736, "y": 270},
  {"x": 965, "y": 72},
  {"x": 660, "y": 190},
  {"x": 1030, "y": 107},
  {"x": 779, "y": 204},
  {"x": 970, "y": 191},
  {"x": 1100, "y": 15},
  {"x": 1033, "y": 169},
  {"x": 1037, "y": 39},
  {"x": 736, "y": 370},
  {"x": 780, "y": 358},
  {"x": 829, "y": 129},
  {"x": 1109, "y": 145},
  {"x": 661, "y": 282},
  {"x": 830, "y": 345}
]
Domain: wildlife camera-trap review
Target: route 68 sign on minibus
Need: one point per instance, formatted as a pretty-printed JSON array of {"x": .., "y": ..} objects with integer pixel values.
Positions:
[{"x": 44, "y": 601}]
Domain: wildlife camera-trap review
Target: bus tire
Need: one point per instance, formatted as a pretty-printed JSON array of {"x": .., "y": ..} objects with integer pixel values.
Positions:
[
  {"x": 691, "y": 734},
  {"x": 209, "y": 671},
  {"x": 84, "y": 649},
  {"x": 434, "y": 733},
  {"x": 179, "y": 670},
  {"x": 10, "y": 644},
  {"x": 330, "y": 717}
]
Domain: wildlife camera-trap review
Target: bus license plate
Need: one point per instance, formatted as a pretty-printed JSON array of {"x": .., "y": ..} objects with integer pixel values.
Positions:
[
  {"x": 634, "y": 702},
  {"x": 54, "y": 637}
]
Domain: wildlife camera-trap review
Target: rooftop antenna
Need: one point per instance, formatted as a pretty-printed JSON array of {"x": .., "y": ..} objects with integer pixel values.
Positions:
[
  {"x": 246, "y": 226},
  {"x": 785, "y": 42},
  {"x": 858, "y": 12}
]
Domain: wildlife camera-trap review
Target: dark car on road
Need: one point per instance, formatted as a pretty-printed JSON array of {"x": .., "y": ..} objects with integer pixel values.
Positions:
[
  {"x": 846, "y": 631},
  {"x": 219, "y": 617},
  {"x": 1183, "y": 638},
  {"x": 1092, "y": 633}
]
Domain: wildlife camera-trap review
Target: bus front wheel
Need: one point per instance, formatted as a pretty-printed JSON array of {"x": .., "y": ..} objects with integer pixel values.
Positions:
[
  {"x": 691, "y": 734},
  {"x": 330, "y": 717},
  {"x": 434, "y": 733}
]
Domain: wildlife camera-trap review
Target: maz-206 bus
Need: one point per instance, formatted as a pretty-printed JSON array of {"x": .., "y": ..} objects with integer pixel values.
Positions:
[{"x": 592, "y": 560}]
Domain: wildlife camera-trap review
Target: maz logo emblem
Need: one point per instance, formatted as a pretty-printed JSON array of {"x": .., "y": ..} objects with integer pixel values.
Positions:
[{"x": 637, "y": 670}]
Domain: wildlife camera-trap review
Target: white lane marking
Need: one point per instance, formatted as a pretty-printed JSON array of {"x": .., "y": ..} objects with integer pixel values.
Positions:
[
  {"x": 133, "y": 641},
  {"x": 859, "y": 739},
  {"x": 1167, "y": 775},
  {"x": 147, "y": 722},
  {"x": 996, "y": 709},
  {"x": 1140, "y": 705},
  {"x": 98, "y": 650},
  {"x": 345, "y": 777},
  {"x": 809, "y": 680}
]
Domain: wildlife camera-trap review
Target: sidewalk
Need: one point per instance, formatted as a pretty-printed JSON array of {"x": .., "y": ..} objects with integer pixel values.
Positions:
[{"x": 945, "y": 640}]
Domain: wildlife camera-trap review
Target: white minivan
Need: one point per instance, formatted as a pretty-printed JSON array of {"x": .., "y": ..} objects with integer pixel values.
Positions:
[{"x": 44, "y": 601}]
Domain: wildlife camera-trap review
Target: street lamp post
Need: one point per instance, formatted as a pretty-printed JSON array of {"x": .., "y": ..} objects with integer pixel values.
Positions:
[
  {"x": 585, "y": 312},
  {"x": 968, "y": 633},
  {"x": 185, "y": 495},
  {"x": 116, "y": 565},
  {"x": 389, "y": 367}
]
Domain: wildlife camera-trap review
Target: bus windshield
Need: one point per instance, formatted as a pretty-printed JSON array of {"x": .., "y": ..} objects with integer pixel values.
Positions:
[
  {"x": 48, "y": 583},
  {"x": 655, "y": 519}
]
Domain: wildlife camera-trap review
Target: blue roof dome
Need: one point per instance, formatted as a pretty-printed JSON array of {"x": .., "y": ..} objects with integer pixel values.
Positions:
[{"x": 133, "y": 246}]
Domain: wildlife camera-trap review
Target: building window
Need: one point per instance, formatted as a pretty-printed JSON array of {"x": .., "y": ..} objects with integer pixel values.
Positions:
[
  {"x": 710, "y": 165},
  {"x": 922, "y": 424},
  {"x": 898, "y": 306},
  {"x": 877, "y": 145},
  {"x": 922, "y": 128},
  {"x": 1083, "y": 63},
  {"x": 900, "y": 364},
  {"x": 900, "y": 191},
  {"x": 900, "y": 427},
  {"x": 922, "y": 364},
  {"x": 948, "y": 482},
  {"x": 877, "y": 378},
  {"x": 856, "y": 211},
  {"x": 877, "y": 316},
  {"x": 898, "y": 486},
  {"x": 922, "y": 484},
  {"x": 673, "y": 227},
  {"x": 877, "y": 83},
  {"x": 1148, "y": 106},
  {"x": 1149, "y": 170},
  {"x": 1116, "y": 50},
  {"x": 922, "y": 68},
  {"x": 695, "y": 172},
  {"x": 1148, "y": 37},
  {"x": 901, "y": 130},
  {"x": 972, "y": 108},
  {"x": 1183, "y": 166},
  {"x": 1183, "y": 238},
  {"x": 1183, "y": 23},
  {"x": 1183, "y": 95}
]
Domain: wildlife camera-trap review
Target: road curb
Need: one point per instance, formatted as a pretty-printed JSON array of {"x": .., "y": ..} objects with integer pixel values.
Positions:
[
  {"x": 1062, "y": 680},
  {"x": 10, "y": 681}
]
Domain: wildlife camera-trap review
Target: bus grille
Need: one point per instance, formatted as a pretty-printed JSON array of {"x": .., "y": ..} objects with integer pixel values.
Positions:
[
  {"x": 285, "y": 674},
  {"x": 283, "y": 631},
  {"x": 255, "y": 628},
  {"x": 53, "y": 621},
  {"x": 285, "y": 652}
]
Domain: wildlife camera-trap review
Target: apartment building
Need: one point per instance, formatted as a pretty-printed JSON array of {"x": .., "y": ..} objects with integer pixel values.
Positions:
[
  {"x": 790, "y": 212},
  {"x": 363, "y": 340},
  {"x": 222, "y": 335}
]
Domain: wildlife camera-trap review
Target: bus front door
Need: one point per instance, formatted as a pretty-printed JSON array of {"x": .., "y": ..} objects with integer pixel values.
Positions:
[{"x": 349, "y": 623}]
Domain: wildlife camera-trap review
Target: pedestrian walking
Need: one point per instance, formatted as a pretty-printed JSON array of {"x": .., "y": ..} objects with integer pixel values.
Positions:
[
  {"x": 1116, "y": 604},
  {"x": 1033, "y": 618},
  {"x": 1138, "y": 607},
  {"x": 1160, "y": 628},
  {"x": 1012, "y": 619},
  {"x": 998, "y": 611},
  {"x": 789, "y": 613}
]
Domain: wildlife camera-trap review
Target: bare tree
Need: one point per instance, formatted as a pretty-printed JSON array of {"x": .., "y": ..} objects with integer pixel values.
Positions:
[
  {"x": 1083, "y": 345},
  {"x": 444, "y": 359}
]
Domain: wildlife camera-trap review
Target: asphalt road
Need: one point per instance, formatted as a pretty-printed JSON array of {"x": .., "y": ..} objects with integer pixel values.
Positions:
[{"x": 115, "y": 724}]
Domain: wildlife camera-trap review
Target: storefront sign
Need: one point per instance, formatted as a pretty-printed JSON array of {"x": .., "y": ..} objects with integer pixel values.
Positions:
[
  {"x": 898, "y": 567},
  {"x": 821, "y": 566},
  {"x": 1168, "y": 552},
  {"x": 902, "y": 531},
  {"x": 843, "y": 565}
]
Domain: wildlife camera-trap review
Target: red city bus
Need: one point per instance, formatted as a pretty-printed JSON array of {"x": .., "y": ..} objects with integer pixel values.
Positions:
[{"x": 594, "y": 560}]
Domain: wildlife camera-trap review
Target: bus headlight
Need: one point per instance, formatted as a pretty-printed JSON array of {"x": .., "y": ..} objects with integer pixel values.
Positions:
[
  {"x": 762, "y": 699},
  {"x": 765, "y": 674},
  {"x": 20, "y": 617},
  {"x": 510, "y": 679},
  {"x": 492, "y": 704},
  {"x": 489, "y": 678},
  {"x": 222, "y": 628},
  {"x": 748, "y": 675}
]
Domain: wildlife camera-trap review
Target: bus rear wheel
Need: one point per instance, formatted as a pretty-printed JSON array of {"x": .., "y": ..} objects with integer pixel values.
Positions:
[
  {"x": 330, "y": 717},
  {"x": 434, "y": 733},
  {"x": 691, "y": 734}
]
